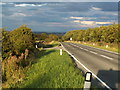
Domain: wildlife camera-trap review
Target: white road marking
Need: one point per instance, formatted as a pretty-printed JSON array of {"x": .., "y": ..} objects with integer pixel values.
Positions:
[
  {"x": 102, "y": 49},
  {"x": 86, "y": 50},
  {"x": 81, "y": 48},
  {"x": 93, "y": 52},
  {"x": 88, "y": 69},
  {"x": 106, "y": 57}
]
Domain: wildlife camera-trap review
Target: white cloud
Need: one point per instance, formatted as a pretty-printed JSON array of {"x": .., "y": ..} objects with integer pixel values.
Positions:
[
  {"x": 77, "y": 17},
  {"x": 1, "y": 3},
  {"x": 20, "y": 14},
  {"x": 87, "y": 22},
  {"x": 104, "y": 22},
  {"x": 95, "y": 8},
  {"x": 91, "y": 22},
  {"x": 84, "y": 22},
  {"x": 116, "y": 14},
  {"x": 83, "y": 18},
  {"x": 76, "y": 21},
  {"x": 24, "y": 5}
]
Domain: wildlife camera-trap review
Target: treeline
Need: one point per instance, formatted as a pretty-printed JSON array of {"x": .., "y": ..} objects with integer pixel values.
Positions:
[
  {"x": 108, "y": 34},
  {"x": 46, "y": 37}
]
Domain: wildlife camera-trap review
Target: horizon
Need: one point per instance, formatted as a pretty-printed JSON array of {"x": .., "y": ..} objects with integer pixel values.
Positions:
[{"x": 58, "y": 16}]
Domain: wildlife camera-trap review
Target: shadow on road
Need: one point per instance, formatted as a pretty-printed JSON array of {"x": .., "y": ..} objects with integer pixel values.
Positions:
[{"x": 110, "y": 77}]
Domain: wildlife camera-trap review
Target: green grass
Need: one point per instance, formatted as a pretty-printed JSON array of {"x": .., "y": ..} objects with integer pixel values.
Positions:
[
  {"x": 51, "y": 70},
  {"x": 113, "y": 49}
]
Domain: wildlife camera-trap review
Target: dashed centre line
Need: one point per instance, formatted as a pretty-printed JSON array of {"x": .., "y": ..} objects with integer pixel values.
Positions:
[
  {"x": 106, "y": 57},
  {"x": 93, "y": 52},
  {"x": 81, "y": 48},
  {"x": 86, "y": 50}
]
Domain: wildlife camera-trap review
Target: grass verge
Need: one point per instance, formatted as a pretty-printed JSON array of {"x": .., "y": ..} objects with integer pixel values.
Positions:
[{"x": 51, "y": 70}]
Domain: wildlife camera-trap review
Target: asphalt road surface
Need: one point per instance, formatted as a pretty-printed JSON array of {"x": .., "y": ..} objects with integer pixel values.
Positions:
[{"x": 102, "y": 63}]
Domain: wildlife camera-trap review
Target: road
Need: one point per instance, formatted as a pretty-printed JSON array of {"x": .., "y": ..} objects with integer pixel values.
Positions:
[{"x": 102, "y": 63}]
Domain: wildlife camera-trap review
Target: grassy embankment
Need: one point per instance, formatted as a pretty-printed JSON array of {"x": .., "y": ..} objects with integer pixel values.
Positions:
[
  {"x": 51, "y": 70},
  {"x": 111, "y": 47}
]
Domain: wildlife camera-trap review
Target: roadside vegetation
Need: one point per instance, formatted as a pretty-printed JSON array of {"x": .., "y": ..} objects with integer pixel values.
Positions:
[
  {"x": 97, "y": 37},
  {"x": 18, "y": 52},
  {"x": 25, "y": 66},
  {"x": 53, "y": 71}
]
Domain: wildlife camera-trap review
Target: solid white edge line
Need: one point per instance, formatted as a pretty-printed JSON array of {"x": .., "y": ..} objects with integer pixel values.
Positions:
[
  {"x": 88, "y": 69},
  {"x": 106, "y": 57}
]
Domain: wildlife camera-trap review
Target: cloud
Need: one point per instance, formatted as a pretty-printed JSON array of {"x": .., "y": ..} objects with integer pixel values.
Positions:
[
  {"x": 84, "y": 22},
  {"x": 77, "y": 17},
  {"x": 115, "y": 14},
  {"x": 76, "y": 21},
  {"x": 24, "y": 5},
  {"x": 87, "y": 22},
  {"x": 83, "y": 18},
  {"x": 104, "y": 22},
  {"x": 61, "y": 1},
  {"x": 91, "y": 26},
  {"x": 91, "y": 22},
  {"x": 57, "y": 16},
  {"x": 1, "y": 3},
  {"x": 95, "y": 8},
  {"x": 20, "y": 14}
]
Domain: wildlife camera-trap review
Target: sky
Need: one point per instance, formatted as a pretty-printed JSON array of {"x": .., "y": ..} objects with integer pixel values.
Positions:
[
  {"x": 58, "y": 16},
  {"x": 60, "y": 0}
]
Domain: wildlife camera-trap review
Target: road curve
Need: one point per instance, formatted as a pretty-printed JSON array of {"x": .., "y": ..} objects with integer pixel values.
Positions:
[{"x": 102, "y": 63}]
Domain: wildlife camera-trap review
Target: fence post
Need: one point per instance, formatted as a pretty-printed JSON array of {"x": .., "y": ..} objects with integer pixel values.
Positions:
[
  {"x": 60, "y": 51},
  {"x": 36, "y": 46},
  {"x": 106, "y": 46},
  {"x": 70, "y": 39},
  {"x": 87, "y": 84}
]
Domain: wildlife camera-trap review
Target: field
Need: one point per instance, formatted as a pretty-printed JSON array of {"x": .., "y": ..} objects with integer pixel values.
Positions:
[{"x": 51, "y": 70}]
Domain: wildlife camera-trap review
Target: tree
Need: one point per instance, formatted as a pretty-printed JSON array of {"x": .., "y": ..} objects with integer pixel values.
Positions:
[
  {"x": 41, "y": 36},
  {"x": 52, "y": 37},
  {"x": 6, "y": 44},
  {"x": 22, "y": 38},
  {"x": 108, "y": 34}
]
